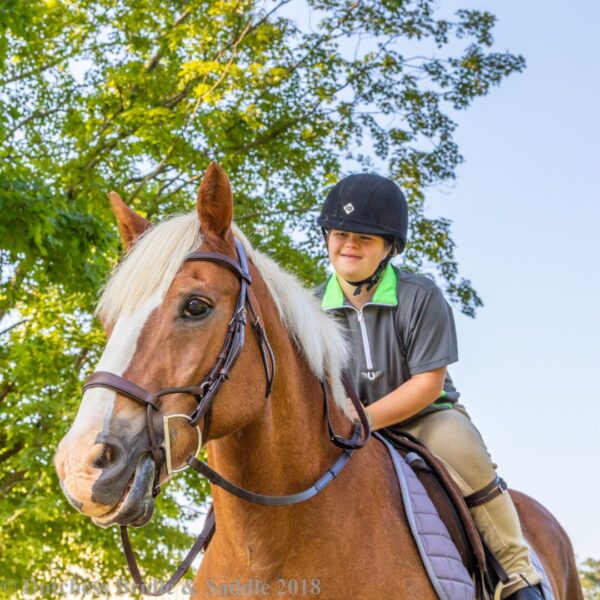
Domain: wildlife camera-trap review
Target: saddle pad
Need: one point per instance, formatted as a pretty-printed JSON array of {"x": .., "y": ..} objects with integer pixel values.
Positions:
[
  {"x": 537, "y": 563},
  {"x": 441, "y": 559}
]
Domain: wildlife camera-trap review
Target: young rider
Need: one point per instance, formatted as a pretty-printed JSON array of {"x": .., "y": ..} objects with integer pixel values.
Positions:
[{"x": 403, "y": 336}]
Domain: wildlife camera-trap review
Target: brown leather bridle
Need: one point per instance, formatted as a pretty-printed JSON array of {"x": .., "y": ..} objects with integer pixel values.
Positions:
[{"x": 205, "y": 393}]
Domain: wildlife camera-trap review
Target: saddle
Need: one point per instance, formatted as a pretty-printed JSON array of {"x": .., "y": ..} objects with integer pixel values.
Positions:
[{"x": 453, "y": 509}]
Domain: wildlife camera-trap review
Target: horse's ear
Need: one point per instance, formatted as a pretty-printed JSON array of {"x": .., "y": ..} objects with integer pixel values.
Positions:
[
  {"x": 215, "y": 201},
  {"x": 131, "y": 225}
]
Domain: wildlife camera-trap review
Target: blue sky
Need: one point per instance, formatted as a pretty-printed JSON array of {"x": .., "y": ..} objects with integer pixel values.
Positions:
[{"x": 525, "y": 215}]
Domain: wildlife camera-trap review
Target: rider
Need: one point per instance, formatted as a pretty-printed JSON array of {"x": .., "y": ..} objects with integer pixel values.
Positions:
[{"x": 403, "y": 336}]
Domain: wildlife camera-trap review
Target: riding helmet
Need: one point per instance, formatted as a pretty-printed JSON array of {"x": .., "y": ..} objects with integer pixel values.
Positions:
[{"x": 367, "y": 203}]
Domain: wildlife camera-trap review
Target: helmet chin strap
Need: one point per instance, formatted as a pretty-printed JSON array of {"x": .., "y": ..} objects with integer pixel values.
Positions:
[{"x": 371, "y": 281}]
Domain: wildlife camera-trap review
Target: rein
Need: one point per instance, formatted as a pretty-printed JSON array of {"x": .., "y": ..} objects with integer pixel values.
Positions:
[{"x": 204, "y": 393}]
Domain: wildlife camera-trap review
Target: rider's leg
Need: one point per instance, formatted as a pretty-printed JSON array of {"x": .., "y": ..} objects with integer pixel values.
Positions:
[{"x": 452, "y": 437}]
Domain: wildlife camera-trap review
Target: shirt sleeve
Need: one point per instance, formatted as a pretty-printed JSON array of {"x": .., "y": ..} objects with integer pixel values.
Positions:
[{"x": 431, "y": 342}]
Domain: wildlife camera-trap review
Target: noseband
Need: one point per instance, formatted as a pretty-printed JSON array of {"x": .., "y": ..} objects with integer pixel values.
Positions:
[{"x": 204, "y": 393}]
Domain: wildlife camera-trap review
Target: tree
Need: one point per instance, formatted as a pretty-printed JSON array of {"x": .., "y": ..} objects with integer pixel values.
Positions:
[
  {"x": 589, "y": 573},
  {"x": 139, "y": 97}
]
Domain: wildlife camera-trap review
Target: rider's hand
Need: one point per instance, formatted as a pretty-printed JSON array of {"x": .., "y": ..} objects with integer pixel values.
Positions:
[{"x": 354, "y": 415}]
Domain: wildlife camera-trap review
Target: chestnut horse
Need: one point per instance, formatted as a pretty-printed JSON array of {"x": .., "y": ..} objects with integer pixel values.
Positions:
[{"x": 166, "y": 318}]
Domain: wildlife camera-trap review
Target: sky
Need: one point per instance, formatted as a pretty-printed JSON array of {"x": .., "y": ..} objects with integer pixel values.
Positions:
[
  {"x": 525, "y": 215},
  {"x": 525, "y": 211}
]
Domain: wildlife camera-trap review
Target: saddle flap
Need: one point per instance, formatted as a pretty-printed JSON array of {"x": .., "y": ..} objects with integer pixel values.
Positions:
[{"x": 447, "y": 499}]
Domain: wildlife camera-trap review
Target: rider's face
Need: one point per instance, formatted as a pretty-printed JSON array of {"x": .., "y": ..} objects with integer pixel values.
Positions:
[{"x": 355, "y": 256}]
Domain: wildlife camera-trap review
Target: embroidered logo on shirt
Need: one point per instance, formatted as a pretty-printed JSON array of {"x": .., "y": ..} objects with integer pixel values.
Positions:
[
  {"x": 371, "y": 374},
  {"x": 348, "y": 208}
]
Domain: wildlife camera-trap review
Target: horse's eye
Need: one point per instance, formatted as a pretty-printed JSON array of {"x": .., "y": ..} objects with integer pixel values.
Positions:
[{"x": 195, "y": 308}]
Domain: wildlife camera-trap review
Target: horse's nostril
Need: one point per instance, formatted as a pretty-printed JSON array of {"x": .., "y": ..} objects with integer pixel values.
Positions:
[{"x": 102, "y": 455}]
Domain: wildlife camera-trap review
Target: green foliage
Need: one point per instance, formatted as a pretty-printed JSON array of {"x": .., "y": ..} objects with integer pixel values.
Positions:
[
  {"x": 589, "y": 574},
  {"x": 139, "y": 97}
]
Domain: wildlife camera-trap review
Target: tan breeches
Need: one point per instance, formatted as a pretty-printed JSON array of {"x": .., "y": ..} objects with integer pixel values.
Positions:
[{"x": 452, "y": 437}]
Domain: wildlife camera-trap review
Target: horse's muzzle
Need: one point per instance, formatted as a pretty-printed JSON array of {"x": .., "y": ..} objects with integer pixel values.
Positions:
[{"x": 136, "y": 506}]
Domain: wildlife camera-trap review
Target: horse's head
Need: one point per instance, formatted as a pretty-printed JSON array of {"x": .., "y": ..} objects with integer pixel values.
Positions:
[{"x": 166, "y": 320}]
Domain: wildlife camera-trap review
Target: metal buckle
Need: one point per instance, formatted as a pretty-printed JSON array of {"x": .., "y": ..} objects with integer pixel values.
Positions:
[{"x": 167, "y": 442}]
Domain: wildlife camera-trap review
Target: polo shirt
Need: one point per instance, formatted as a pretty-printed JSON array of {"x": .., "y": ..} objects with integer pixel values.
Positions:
[{"x": 406, "y": 328}]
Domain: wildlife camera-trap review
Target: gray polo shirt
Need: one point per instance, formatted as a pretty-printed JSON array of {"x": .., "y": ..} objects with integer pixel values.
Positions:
[{"x": 406, "y": 328}]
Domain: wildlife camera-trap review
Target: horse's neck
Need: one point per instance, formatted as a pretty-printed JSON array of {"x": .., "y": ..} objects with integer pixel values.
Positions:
[{"x": 282, "y": 453}]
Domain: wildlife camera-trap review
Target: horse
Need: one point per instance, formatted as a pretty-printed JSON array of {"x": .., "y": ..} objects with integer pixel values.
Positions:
[{"x": 166, "y": 318}]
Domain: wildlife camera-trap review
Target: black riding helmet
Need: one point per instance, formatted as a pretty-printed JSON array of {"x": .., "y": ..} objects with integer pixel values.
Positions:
[{"x": 367, "y": 203}]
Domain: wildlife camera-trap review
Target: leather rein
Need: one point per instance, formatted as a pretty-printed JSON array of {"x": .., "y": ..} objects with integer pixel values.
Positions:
[{"x": 204, "y": 393}]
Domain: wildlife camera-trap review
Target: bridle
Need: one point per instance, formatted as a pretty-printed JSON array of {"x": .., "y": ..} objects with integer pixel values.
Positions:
[{"x": 204, "y": 393}]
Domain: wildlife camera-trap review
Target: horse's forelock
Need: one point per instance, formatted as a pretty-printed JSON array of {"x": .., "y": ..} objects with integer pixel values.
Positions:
[{"x": 149, "y": 267}]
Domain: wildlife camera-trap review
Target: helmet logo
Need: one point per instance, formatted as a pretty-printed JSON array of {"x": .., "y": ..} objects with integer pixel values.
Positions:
[{"x": 348, "y": 208}]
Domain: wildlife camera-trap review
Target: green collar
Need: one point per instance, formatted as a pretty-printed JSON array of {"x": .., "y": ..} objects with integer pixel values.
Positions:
[{"x": 385, "y": 292}]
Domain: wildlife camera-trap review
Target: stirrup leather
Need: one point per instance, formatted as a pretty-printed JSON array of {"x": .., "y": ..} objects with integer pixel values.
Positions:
[{"x": 489, "y": 492}]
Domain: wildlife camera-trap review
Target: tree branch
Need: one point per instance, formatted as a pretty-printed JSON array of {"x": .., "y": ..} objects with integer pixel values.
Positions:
[
  {"x": 162, "y": 165},
  {"x": 80, "y": 359},
  {"x": 171, "y": 102},
  {"x": 54, "y": 62},
  {"x": 8, "y": 482},
  {"x": 34, "y": 115},
  {"x": 174, "y": 100},
  {"x": 153, "y": 61},
  {"x": 12, "y": 288},
  {"x": 4, "y": 456},
  {"x": 12, "y": 327}
]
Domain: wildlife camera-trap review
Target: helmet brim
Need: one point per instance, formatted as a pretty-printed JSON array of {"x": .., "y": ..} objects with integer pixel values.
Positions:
[{"x": 343, "y": 225}]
